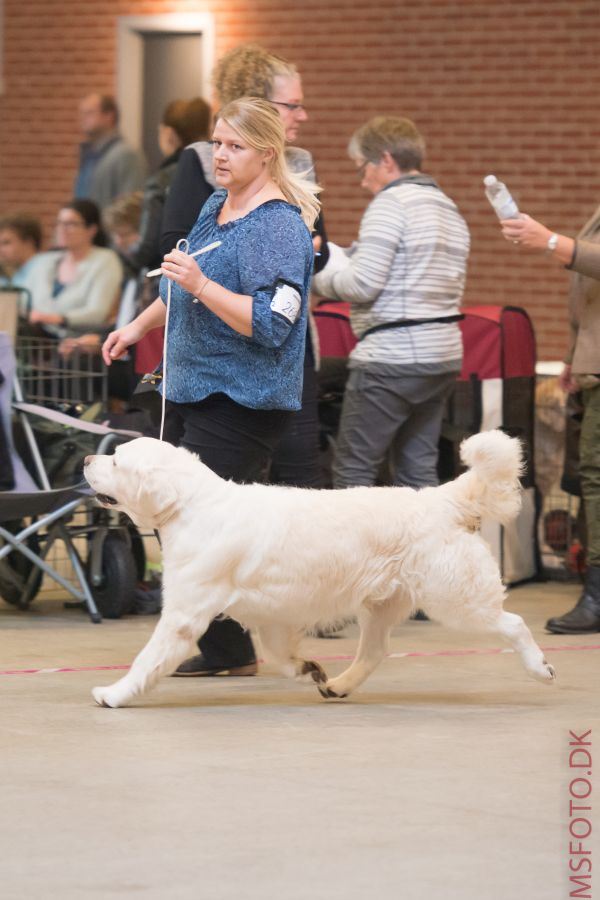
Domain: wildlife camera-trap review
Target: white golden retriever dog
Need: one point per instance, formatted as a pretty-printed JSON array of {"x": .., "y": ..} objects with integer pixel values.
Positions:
[{"x": 285, "y": 559}]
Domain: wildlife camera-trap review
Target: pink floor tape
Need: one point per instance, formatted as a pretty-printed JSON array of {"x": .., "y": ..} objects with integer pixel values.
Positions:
[{"x": 474, "y": 652}]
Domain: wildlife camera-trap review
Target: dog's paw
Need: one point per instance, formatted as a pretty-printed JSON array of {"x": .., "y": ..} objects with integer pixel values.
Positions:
[
  {"x": 330, "y": 692},
  {"x": 311, "y": 668},
  {"x": 105, "y": 697},
  {"x": 548, "y": 674},
  {"x": 543, "y": 671}
]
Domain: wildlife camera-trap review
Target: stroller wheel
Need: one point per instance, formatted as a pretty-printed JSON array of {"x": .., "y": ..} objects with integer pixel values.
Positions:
[
  {"x": 137, "y": 551},
  {"x": 11, "y": 584},
  {"x": 114, "y": 594},
  {"x": 15, "y": 569},
  {"x": 131, "y": 536}
]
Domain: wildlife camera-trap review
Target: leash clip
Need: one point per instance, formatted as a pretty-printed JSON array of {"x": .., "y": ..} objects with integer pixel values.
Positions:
[
  {"x": 184, "y": 245},
  {"x": 152, "y": 378}
]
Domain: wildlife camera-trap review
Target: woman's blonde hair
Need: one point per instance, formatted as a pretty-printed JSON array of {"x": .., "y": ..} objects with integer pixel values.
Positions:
[
  {"x": 261, "y": 128},
  {"x": 249, "y": 71}
]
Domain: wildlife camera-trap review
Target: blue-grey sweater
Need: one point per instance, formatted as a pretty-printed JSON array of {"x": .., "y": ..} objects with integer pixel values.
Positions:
[{"x": 268, "y": 255}]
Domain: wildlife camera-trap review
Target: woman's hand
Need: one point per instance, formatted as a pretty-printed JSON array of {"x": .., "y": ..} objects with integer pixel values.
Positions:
[
  {"x": 184, "y": 270},
  {"x": 526, "y": 231},
  {"x": 117, "y": 342},
  {"x": 566, "y": 381},
  {"x": 85, "y": 343},
  {"x": 42, "y": 318},
  {"x": 532, "y": 234}
]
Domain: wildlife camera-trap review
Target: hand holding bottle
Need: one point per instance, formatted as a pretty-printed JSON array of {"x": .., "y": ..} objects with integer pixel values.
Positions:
[
  {"x": 535, "y": 236},
  {"x": 526, "y": 231}
]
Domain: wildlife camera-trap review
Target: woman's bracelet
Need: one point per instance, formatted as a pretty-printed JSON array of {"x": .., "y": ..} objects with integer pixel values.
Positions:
[{"x": 199, "y": 294}]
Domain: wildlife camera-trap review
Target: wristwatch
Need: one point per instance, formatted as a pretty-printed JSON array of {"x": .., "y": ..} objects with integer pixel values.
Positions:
[{"x": 552, "y": 242}]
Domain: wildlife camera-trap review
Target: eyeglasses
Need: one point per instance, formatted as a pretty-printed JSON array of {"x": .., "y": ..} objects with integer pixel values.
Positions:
[
  {"x": 293, "y": 107},
  {"x": 361, "y": 169},
  {"x": 69, "y": 223}
]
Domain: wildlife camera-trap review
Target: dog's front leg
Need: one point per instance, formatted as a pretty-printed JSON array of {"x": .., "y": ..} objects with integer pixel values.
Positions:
[{"x": 173, "y": 641}]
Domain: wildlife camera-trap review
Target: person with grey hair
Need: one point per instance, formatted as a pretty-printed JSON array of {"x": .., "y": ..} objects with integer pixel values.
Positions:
[
  {"x": 404, "y": 279},
  {"x": 108, "y": 166}
]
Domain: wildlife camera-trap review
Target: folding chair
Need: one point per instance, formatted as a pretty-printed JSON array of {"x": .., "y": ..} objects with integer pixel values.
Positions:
[{"x": 51, "y": 510}]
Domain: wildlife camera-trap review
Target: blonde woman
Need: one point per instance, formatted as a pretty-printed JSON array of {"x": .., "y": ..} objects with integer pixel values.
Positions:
[
  {"x": 247, "y": 70},
  {"x": 250, "y": 70},
  {"x": 235, "y": 359}
]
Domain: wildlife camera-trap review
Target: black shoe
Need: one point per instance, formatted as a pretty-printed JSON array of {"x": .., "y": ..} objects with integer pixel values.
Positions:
[
  {"x": 197, "y": 667},
  {"x": 584, "y": 618},
  {"x": 420, "y": 616}
]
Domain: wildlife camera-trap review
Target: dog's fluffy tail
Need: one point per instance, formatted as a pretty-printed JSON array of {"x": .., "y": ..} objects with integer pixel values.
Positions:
[{"x": 491, "y": 487}]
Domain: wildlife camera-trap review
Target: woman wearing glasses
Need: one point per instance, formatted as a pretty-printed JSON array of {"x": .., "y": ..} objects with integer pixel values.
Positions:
[
  {"x": 75, "y": 288},
  {"x": 248, "y": 70},
  {"x": 404, "y": 279}
]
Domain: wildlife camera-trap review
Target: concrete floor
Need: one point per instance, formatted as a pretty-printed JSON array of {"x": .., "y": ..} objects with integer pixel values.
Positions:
[{"x": 445, "y": 777}]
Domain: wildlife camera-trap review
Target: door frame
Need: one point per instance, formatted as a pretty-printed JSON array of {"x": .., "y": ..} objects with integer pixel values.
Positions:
[{"x": 130, "y": 31}]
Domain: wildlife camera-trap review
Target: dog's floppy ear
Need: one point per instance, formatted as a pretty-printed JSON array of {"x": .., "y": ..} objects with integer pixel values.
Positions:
[{"x": 157, "y": 494}]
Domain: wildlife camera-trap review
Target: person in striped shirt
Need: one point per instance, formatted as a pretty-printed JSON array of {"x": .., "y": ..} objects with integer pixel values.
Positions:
[{"x": 404, "y": 279}]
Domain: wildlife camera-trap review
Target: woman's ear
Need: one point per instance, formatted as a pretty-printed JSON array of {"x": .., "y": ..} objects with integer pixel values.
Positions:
[{"x": 388, "y": 159}]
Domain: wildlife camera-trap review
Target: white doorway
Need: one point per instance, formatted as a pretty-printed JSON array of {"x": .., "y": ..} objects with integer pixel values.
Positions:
[{"x": 160, "y": 58}]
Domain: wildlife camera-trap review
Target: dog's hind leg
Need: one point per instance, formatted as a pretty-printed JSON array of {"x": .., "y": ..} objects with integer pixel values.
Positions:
[
  {"x": 514, "y": 630},
  {"x": 375, "y": 623},
  {"x": 172, "y": 641},
  {"x": 280, "y": 645}
]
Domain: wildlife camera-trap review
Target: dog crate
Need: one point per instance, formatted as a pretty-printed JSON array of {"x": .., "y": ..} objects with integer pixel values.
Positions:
[{"x": 496, "y": 389}]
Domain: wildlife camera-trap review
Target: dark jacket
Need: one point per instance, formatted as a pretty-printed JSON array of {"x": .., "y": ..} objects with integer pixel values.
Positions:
[
  {"x": 148, "y": 253},
  {"x": 190, "y": 189}
]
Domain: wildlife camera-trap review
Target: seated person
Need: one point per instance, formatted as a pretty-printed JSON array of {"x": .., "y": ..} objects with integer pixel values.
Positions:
[
  {"x": 20, "y": 242},
  {"x": 76, "y": 287},
  {"x": 122, "y": 223},
  {"x": 122, "y": 220}
]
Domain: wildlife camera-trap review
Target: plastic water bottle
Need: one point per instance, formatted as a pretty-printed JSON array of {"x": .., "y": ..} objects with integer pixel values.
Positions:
[{"x": 500, "y": 198}]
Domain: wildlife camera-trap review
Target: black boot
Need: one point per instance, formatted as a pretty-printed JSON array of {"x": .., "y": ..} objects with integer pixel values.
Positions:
[
  {"x": 585, "y": 616},
  {"x": 226, "y": 650}
]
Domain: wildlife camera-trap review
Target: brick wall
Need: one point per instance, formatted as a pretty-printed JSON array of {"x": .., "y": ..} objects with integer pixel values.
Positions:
[{"x": 504, "y": 86}]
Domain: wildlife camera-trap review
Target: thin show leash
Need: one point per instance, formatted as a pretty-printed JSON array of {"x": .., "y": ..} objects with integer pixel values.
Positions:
[{"x": 182, "y": 245}]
